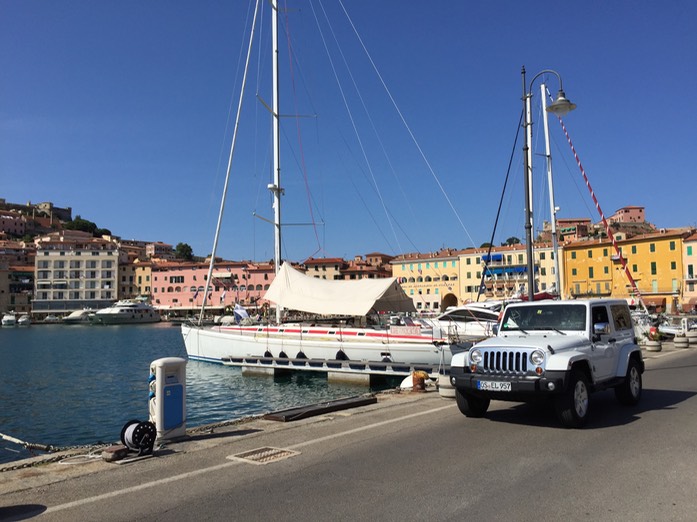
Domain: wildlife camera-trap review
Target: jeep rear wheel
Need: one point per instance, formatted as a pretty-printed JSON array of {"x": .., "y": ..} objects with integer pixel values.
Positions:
[
  {"x": 572, "y": 406},
  {"x": 629, "y": 392},
  {"x": 471, "y": 406}
]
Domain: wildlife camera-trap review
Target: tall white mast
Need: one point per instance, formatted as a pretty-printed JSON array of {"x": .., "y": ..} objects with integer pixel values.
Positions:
[{"x": 276, "y": 186}]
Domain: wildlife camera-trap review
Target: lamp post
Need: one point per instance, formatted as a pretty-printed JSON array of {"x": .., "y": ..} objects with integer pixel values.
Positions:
[{"x": 560, "y": 106}]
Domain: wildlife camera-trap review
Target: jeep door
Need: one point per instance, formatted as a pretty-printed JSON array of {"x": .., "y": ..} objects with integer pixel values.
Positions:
[{"x": 604, "y": 345}]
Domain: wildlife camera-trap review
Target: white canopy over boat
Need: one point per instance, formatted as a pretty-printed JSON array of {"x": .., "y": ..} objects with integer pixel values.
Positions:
[{"x": 298, "y": 291}]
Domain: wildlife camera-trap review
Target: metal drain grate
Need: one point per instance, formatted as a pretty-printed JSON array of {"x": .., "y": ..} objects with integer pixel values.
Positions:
[{"x": 264, "y": 455}]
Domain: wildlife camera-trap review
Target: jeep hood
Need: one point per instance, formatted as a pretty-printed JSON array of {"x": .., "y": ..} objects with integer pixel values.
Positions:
[{"x": 557, "y": 342}]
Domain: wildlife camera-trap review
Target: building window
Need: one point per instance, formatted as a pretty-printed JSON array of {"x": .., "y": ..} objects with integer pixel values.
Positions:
[
  {"x": 590, "y": 272},
  {"x": 590, "y": 254},
  {"x": 672, "y": 245},
  {"x": 673, "y": 265},
  {"x": 605, "y": 252},
  {"x": 653, "y": 267},
  {"x": 573, "y": 255},
  {"x": 633, "y": 249},
  {"x": 652, "y": 247},
  {"x": 573, "y": 271}
]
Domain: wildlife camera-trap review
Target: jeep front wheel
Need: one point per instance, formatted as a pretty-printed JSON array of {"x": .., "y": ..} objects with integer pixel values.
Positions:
[
  {"x": 572, "y": 405},
  {"x": 471, "y": 406},
  {"x": 629, "y": 392}
]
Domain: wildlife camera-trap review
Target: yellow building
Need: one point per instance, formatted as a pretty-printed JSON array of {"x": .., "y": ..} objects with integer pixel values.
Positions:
[
  {"x": 506, "y": 271},
  {"x": 143, "y": 277},
  {"x": 431, "y": 280},
  {"x": 654, "y": 261}
]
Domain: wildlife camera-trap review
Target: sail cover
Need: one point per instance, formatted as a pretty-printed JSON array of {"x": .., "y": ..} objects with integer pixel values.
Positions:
[{"x": 294, "y": 290}]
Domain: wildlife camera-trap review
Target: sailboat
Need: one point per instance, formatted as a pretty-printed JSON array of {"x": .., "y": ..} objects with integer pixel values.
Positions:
[{"x": 348, "y": 334}]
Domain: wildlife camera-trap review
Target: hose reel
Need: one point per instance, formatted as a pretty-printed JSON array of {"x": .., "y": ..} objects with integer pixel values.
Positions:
[{"x": 139, "y": 436}]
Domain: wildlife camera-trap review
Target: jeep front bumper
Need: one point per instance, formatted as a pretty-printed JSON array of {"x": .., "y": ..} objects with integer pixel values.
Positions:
[{"x": 507, "y": 386}]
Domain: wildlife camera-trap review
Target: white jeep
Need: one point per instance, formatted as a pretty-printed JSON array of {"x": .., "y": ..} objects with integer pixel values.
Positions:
[{"x": 563, "y": 350}]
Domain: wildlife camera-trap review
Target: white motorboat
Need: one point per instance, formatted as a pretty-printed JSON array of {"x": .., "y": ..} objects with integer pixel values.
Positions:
[
  {"x": 127, "y": 312},
  {"x": 78, "y": 316},
  {"x": 24, "y": 320},
  {"x": 471, "y": 321},
  {"x": 9, "y": 319}
]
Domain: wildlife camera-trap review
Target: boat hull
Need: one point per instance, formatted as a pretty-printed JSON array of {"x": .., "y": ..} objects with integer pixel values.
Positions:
[
  {"x": 213, "y": 344},
  {"x": 124, "y": 319}
]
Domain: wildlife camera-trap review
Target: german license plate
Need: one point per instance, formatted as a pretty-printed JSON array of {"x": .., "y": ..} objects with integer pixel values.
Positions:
[{"x": 494, "y": 386}]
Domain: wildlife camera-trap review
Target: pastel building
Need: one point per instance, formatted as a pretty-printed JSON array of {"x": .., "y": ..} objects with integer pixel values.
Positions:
[
  {"x": 689, "y": 296},
  {"x": 431, "y": 280},
  {"x": 74, "y": 270},
  {"x": 179, "y": 288},
  {"x": 654, "y": 262}
]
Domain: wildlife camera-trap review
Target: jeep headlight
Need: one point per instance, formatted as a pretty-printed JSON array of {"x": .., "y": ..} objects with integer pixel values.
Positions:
[
  {"x": 476, "y": 356},
  {"x": 537, "y": 357}
]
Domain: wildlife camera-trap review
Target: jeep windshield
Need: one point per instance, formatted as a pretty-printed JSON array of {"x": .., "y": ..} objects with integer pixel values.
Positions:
[{"x": 544, "y": 317}]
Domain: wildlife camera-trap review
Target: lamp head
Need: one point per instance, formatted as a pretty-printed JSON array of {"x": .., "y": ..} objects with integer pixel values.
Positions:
[{"x": 561, "y": 105}]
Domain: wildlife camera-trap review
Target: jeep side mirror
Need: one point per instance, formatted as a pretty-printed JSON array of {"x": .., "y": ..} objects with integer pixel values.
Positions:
[{"x": 601, "y": 328}]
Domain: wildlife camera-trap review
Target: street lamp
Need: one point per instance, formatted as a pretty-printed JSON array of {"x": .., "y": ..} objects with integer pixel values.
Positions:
[{"x": 560, "y": 106}]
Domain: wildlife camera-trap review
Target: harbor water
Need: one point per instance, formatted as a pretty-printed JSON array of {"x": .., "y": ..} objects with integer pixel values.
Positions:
[{"x": 79, "y": 385}]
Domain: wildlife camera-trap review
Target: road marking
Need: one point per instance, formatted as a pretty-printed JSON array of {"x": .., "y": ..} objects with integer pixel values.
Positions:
[
  {"x": 183, "y": 476},
  {"x": 368, "y": 427}
]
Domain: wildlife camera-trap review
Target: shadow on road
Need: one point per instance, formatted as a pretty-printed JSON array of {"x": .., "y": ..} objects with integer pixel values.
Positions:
[
  {"x": 605, "y": 410},
  {"x": 21, "y": 512}
]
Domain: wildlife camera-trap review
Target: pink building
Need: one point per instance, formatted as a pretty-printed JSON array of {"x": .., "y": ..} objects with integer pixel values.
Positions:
[
  {"x": 628, "y": 214},
  {"x": 178, "y": 287},
  {"x": 13, "y": 223}
]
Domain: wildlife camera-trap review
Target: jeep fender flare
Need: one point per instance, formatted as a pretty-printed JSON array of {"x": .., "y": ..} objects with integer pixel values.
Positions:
[{"x": 627, "y": 352}]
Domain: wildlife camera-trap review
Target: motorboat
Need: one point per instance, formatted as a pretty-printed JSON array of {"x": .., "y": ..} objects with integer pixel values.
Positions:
[
  {"x": 9, "y": 319},
  {"x": 471, "y": 321},
  {"x": 24, "y": 320},
  {"x": 78, "y": 316},
  {"x": 127, "y": 311}
]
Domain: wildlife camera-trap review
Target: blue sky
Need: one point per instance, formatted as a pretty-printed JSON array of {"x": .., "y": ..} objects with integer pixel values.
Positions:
[{"x": 122, "y": 110}]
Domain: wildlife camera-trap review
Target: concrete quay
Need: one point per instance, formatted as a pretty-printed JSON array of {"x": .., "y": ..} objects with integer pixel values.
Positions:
[{"x": 249, "y": 452}]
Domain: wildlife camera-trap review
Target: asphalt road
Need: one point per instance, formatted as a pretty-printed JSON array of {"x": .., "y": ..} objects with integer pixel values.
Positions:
[{"x": 411, "y": 458}]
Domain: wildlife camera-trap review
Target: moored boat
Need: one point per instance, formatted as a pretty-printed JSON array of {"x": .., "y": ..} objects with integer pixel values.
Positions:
[
  {"x": 9, "y": 319},
  {"x": 334, "y": 338},
  {"x": 127, "y": 312},
  {"x": 341, "y": 338},
  {"x": 78, "y": 316}
]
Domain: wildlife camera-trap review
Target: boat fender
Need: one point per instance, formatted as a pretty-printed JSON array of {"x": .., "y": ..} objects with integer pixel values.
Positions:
[
  {"x": 139, "y": 436},
  {"x": 301, "y": 355},
  {"x": 282, "y": 355},
  {"x": 419, "y": 381},
  {"x": 341, "y": 356},
  {"x": 268, "y": 354}
]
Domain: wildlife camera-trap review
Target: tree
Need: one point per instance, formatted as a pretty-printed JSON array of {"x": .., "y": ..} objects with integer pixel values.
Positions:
[
  {"x": 511, "y": 241},
  {"x": 183, "y": 251},
  {"x": 80, "y": 224},
  {"x": 486, "y": 245},
  {"x": 85, "y": 225}
]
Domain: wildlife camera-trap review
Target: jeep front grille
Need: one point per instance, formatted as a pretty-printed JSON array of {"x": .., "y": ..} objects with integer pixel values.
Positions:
[{"x": 504, "y": 361}]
